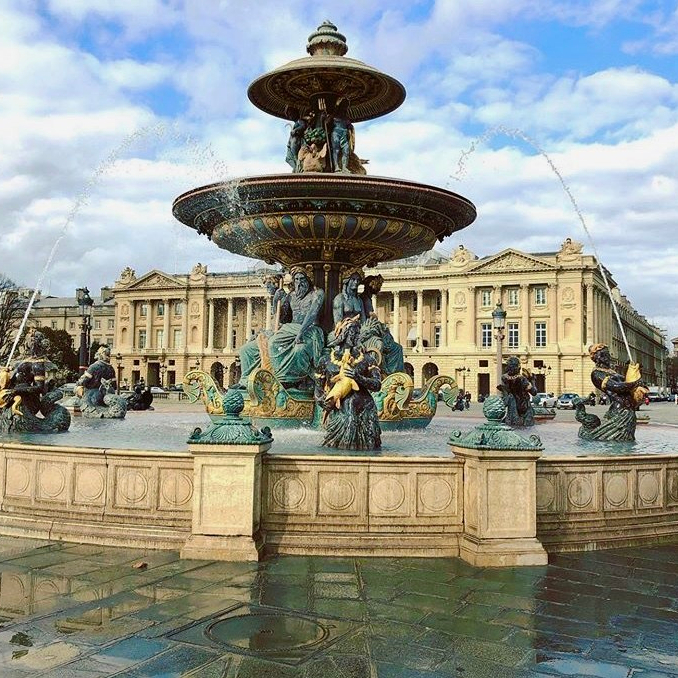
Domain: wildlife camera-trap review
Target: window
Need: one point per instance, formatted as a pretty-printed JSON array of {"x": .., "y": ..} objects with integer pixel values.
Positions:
[
  {"x": 109, "y": 342},
  {"x": 486, "y": 335},
  {"x": 486, "y": 298},
  {"x": 392, "y": 304},
  {"x": 177, "y": 340},
  {"x": 436, "y": 336},
  {"x": 97, "y": 324},
  {"x": 178, "y": 308},
  {"x": 439, "y": 301},
  {"x": 540, "y": 296},
  {"x": 483, "y": 363},
  {"x": 540, "y": 335},
  {"x": 160, "y": 339},
  {"x": 143, "y": 310},
  {"x": 142, "y": 338},
  {"x": 161, "y": 308},
  {"x": 54, "y": 324},
  {"x": 71, "y": 325},
  {"x": 415, "y": 303},
  {"x": 513, "y": 297},
  {"x": 111, "y": 324},
  {"x": 513, "y": 335}
]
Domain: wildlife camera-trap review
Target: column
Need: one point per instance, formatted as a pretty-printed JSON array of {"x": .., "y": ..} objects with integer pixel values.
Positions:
[
  {"x": 473, "y": 337},
  {"x": 420, "y": 319},
  {"x": 395, "y": 329},
  {"x": 269, "y": 307},
  {"x": 166, "y": 324},
  {"x": 248, "y": 319},
  {"x": 132, "y": 324},
  {"x": 229, "y": 325},
  {"x": 184, "y": 325},
  {"x": 525, "y": 329},
  {"x": 443, "y": 318},
  {"x": 589, "y": 314},
  {"x": 149, "y": 323},
  {"x": 553, "y": 330},
  {"x": 210, "y": 325}
]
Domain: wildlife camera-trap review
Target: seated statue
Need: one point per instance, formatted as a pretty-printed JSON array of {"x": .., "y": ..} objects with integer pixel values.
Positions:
[
  {"x": 25, "y": 393},
  {"x": 140, "y": 398},
  {"x": 516, "y": 388},
  {"x": 345, "y": 380},
  {"x": 96, "y": 389},
  {"x": 347, "y": 303},
  {"x": 375, "y": 334},
  {"x": 625, "y": 395},
  {"x": 293, "y": 350}
]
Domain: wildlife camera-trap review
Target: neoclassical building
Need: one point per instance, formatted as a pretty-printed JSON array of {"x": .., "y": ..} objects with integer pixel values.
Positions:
[{"x": 438, "y": 307}]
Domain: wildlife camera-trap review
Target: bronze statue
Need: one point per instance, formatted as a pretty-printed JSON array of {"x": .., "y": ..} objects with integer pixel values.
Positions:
[
  {"x": 517, "y": 386},
  {"x": 344, "y": 383},
  {"x": 625, "y": 395},
  {"x": 96, "y": 389}
]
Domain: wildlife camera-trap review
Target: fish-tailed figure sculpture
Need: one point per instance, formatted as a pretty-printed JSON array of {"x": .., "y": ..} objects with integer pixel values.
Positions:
[
  {"x": 28, "y": 403},
  {"x": 625, "y": 394},
  {"x": 346, "y": 378},
  {"x": 96, "y": 389},
  {"x": 517, "y": 385}
]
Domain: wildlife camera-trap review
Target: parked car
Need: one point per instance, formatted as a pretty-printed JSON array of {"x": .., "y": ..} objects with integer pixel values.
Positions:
[
  {"x": 545, "y": 399},
  {"x": 566, "y": 401},
  {"x": 654, "y": 397},
  {"x": 175, "y": 387},
  {"x": 157, "y": 389}
]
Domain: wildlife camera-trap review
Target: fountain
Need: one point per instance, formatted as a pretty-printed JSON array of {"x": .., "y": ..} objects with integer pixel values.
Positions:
[
  {"x": 501, "y": 498},
  {"x": 326, "y": 221}
]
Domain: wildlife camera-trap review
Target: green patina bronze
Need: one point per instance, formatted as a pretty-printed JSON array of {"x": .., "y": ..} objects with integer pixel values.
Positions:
[
  {"x": 227, "y": 426},
  {"x": 494, "y": 434}
]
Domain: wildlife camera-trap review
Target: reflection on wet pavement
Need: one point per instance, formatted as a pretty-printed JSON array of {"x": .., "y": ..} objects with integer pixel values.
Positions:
[{"x": 85, "y": 611}]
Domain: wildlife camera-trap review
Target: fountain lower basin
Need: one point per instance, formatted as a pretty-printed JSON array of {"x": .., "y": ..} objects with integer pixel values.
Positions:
[{"x": 137, "y": 486}]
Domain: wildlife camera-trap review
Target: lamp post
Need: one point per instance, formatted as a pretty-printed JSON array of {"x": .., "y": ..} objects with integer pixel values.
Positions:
[
  {"x": 463, "y": 371},
  {"x": 85, "y": 302},
  {"x": 118, "y": 364},
  {"x": 163, "y": 370},
  {"x": 499, "y": 322}
]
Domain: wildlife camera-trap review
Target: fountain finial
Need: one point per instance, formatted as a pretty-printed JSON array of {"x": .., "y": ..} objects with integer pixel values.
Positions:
[{"x": 326, "y": 40}]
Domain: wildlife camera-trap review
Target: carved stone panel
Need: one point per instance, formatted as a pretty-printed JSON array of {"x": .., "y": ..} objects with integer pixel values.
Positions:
[
  {"x": 617, "y": 490},
  {"x": 547, "y": 492},
  {"x": 18, "y": 477},
  {"x": 672, "y": 486},
  {"x": 175, "y": 489},
  {"x": 289, "y": 492},
  {"x": 132, "y": 487},
  {"x": 389, "y": 494},
  {"x": 52, "y": 481},
  {"x": 437, "y": 494},
  {"x": 339, "y": 493},
  {"x": 581, "y": 492},
  {"x": 649, "y": 493},
  {"x": 89, "y": 484}
]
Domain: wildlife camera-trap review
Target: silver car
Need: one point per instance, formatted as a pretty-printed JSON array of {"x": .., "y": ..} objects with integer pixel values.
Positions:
[
  {"x": 545, "y": 399},
  {"x": 566, "y": 401}
]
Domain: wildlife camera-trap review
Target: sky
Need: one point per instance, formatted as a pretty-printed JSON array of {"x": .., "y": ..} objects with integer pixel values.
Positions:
[{"x": 109, "y": 110}]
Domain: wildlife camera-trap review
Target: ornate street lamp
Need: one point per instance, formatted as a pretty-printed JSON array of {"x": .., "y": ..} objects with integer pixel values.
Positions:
[
  {"x": 85, "y": 302},
  {"x": 118, "y": 363},
  {"x": 463, "y": 371},
  {"x": 163, "y": 369},
  {"x": 499, "y": 322}
]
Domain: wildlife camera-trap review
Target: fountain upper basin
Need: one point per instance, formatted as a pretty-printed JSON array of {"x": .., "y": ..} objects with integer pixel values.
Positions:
[{"x": 315, "y": 217}]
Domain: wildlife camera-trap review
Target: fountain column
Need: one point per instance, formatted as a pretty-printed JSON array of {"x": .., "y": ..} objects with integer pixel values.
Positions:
[
  {"x": 248, "y": 320},
  {"x": 229, "y": 325},
  {"x": 395, "y": 330},
  {"x": 166, "y": 324},
  {"x": 210, "y": 325},
  {"x": 420, "y": 319},
  {"x": 149, "y": 323}
]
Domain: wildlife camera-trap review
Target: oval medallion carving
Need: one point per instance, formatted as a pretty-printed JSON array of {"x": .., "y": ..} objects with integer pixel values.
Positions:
[
  {"x": 580, "y": 492},
  {"x": 436, "y": 494},
  {"x": 18, "y": 477},
  {"x": 133, "y": 486},
  {"x": 89, "y": 484},
  {"x": 546, "y": 493},
  {"x": 52, "y": 481},
  {"x": 388, "y": 494},
  {"x": 616, "y": 490},
  {"x": 338, "y": 493},
  {"x": 672, "y": 484},
  {"x": 289, "y": 493},
  {"x": 177, "y": 488},
  {"x": 648, "y": 488}
]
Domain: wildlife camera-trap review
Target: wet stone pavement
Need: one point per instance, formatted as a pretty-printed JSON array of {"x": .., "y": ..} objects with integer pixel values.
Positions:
[{"x": 83, "y": 611}]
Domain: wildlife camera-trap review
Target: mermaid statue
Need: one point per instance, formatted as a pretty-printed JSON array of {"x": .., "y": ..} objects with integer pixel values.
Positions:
[
  {"x": 28, "y": 400},
  {"x": 625, "y": 394}
]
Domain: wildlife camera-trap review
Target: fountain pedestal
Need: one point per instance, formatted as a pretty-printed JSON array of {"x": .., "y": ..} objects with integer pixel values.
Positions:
[
  {"x": 500, "y": 508},
  {"x": 227, "y": 505}
]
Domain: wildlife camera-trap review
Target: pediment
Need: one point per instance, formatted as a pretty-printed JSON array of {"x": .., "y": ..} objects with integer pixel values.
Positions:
[
  {"x": 156, "y": 280},
  {"x": 510, "y": 260}
]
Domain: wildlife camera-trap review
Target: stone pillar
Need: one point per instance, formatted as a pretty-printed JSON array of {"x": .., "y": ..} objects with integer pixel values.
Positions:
[
  {"x": 443, "y": 318},
  {"x": 166, "y": 324},
  {"x": 269, "y": 307},
  {"x": 589, "y": 314},
  {"x": 248, "y": 319},
  {"x": 525, "y": 330},
  {"x": 210, "y": 325},
  {"x": 395, "y": 329},
  {"x": 500, "y": 508},
  {"x": 132, "y": 324},
  {"x": 229, "y": 325},
  {"x": 184, "y": 326},
  {"x": 553, "y": 330},
  {"x": 473, "y": 320},
  {"x": 149, "y": 324},
  {"x": 420, "y": 319}
]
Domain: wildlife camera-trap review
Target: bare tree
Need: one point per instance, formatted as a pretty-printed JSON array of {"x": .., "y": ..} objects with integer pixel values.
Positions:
[{"x": 12, "y": 308}]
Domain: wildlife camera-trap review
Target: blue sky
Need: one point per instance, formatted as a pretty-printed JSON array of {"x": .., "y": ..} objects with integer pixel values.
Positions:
[{"x": 161, "y": 85}]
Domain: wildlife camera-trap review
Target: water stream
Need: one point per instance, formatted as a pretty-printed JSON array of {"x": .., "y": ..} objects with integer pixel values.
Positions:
[{"x": 520, "y": 135}]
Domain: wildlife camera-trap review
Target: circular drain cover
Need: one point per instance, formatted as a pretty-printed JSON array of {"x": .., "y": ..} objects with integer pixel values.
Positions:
[{"x": 258, "y": 632}]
